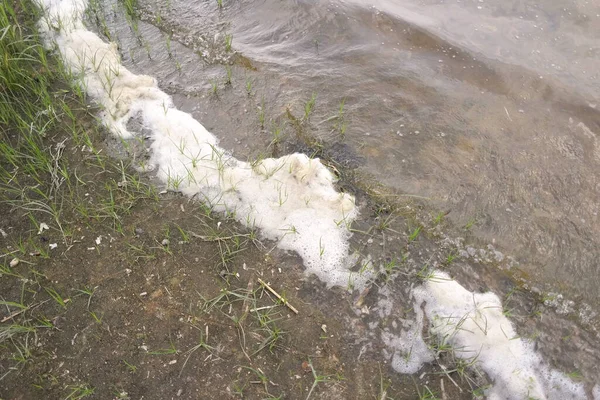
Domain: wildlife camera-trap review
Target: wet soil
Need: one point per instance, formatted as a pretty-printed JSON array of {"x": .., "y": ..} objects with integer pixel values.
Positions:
[
  {"x": 140, "y": 318},
  {"x": 167, "y": 304},
  {"x": 162, "y": 300}
]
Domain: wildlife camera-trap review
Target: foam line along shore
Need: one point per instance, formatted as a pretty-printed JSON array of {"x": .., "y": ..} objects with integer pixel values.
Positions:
[{"x": 291, "y": 199}]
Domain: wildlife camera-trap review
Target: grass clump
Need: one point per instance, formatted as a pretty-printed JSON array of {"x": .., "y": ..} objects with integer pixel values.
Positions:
[
  {"x": 130, "y": 7},
  {"x": 42, "y": 109},
  {"x": 54, "y": 182},
  {"x": 309, "y": 106},
  {"x": 228, "y": 42}
]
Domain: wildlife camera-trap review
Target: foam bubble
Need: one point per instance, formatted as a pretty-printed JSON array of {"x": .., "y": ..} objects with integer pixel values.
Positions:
[
  {"x": 291, "y": 199},
  {"x": 410, "y": 351},
  {"x": 474, "y": 325}
]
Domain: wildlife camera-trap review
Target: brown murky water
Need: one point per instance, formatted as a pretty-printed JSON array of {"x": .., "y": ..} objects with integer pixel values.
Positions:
[{"x": 487, "y": 109}]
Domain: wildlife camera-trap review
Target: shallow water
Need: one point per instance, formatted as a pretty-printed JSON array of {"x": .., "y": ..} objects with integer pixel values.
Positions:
[{"x": 488, "y": 110}]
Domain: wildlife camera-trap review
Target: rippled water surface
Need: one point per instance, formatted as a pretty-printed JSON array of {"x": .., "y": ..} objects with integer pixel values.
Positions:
[{"x": 488, "y": 109}]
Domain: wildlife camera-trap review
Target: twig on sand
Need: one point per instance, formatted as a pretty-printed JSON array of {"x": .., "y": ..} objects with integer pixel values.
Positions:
[
  {"x": 444, "y": 397},
  {"x": 449, "y": 377},
  {"x": 284, "y": 301}
]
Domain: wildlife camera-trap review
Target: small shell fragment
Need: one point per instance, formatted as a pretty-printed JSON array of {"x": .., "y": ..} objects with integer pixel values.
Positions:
[{"x": 43, "y": 227}]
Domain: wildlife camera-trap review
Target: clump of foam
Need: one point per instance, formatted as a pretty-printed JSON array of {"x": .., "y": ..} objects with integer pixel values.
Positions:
[
  {"x": 291, "y": 199},
  {"x": 410, "y": 351},
  {"x": 474, "y": 325},
  {"x": 596, "y": 392}
]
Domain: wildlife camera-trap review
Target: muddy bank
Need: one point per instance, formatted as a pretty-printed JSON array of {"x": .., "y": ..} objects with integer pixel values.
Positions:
[{"x": 164, "y": 290}]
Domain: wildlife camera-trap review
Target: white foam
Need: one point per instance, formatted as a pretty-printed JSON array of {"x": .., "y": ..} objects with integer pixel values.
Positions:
[
  {"x": 410, "y": 351},
  {"x": 291, "y": 199},
  {"x": 474, "y": 325}
]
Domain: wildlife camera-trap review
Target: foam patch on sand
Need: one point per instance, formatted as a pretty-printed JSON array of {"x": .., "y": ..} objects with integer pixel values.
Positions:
[
  {"x": 473, "y": 324},
  {"x": 291, "y": 199}
]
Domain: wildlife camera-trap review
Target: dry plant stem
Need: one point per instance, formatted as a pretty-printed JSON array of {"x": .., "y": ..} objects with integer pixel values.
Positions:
[
  {"x": 242, "y": 338},
  {"x": 11, "y": 316},
  {"x": 7, "y": 254},
  {"x": 246, "y": 304},
  {"x": 444, "y": 397},
  {"x": 284, "y": 301},
  {"x": 449, "y": 377},
  {"x": 214, "y": 239}
]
